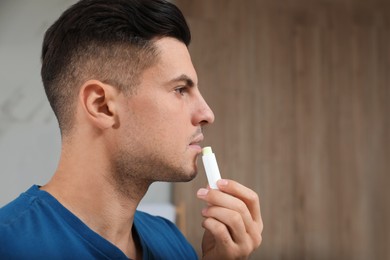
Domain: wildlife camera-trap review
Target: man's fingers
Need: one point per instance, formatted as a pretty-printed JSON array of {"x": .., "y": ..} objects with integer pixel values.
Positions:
[
  {"x": 236, "y": 197},
  {"x": 237, "y": 207},
  {"x": 248, "y": 196},
  {"x": 232, "y": 219},
  {"x": 218, "y": 230},
  {"x": 224, "y": 241}
]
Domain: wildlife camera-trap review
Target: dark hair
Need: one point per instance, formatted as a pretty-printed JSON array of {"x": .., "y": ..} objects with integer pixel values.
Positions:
[{"x": 111, "y": 41}]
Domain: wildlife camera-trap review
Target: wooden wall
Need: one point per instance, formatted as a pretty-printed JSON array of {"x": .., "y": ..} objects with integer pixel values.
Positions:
[{"x": 301, "y": 94}]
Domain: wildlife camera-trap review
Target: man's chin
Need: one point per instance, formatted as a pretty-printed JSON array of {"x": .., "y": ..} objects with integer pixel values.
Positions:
[
  {"x": 191, "y": 176},
  {"x": 186, "y": 177}
]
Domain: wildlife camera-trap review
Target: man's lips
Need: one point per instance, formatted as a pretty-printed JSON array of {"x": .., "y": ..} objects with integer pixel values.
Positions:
[
  {"x": 196, "y": 143},
  {"x": 197, "y": 140}
]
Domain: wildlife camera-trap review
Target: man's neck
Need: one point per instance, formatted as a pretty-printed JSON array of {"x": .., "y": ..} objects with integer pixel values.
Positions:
[{"x": 86, "y": 191}]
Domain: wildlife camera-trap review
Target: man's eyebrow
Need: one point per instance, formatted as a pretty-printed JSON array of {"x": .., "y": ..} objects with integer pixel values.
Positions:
[{"x": 189, "y": 82}]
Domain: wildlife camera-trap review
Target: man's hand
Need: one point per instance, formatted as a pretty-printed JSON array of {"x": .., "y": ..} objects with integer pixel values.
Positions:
[{"x": 232, "y": 223}]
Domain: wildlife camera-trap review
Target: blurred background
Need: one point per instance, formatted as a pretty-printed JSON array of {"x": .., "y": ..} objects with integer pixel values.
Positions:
[
  {"x": 300, "y": 90},
  {"x": 301, "y": 95}
]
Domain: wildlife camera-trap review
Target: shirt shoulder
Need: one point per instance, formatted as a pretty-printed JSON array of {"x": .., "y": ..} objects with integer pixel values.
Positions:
[
  {"x": 16, "y": 209},
  {"x": 36, "y": 226},
  {"x": 17, "y": 223}
]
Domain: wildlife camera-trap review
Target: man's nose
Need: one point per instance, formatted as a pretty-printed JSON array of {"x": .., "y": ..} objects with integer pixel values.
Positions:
[{"x": 204, "y": 114}]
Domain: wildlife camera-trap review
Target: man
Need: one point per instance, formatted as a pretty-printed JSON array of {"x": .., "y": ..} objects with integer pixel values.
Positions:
[{"x": 121, "y": 83}]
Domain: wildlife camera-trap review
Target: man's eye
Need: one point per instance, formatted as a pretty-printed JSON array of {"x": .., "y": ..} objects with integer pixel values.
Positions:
[{"x": 181, "y": 90}]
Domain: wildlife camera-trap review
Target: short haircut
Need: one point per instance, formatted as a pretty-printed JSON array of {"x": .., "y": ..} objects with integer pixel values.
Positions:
[{"x": 111, "y": 41}]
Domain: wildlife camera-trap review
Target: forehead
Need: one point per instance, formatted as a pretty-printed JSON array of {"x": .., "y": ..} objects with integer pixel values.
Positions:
[{"x": 173, "y": 60}]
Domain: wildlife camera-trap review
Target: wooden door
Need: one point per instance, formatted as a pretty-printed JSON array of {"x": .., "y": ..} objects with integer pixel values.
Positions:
[{"x": 301, "y": 94}]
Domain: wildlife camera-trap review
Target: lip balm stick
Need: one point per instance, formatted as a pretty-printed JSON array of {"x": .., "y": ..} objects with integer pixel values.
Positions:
[{"x": 211, "y": 167}]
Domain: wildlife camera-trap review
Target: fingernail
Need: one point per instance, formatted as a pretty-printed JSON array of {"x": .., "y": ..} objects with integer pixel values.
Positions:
[
  {"x": 222, "y": 182},
  {"x": 202, "y": 192}
]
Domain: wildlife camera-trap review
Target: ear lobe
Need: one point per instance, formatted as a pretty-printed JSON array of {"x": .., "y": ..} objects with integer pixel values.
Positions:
[{"x": 98, "y": 102}]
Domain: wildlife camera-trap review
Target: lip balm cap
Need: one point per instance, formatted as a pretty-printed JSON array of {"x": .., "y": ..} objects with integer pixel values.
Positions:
[{"x": 207, "y": 150}]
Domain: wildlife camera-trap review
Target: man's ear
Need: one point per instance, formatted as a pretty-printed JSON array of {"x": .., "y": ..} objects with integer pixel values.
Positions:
[{"x": 98, "y": 102}]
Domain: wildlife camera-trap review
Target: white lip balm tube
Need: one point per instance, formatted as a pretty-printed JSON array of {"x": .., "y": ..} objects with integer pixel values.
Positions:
[{"x": 211, "y": 167}]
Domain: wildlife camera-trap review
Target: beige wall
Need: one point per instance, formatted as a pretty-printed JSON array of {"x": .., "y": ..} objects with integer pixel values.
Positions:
[{"x": 301, "y": 94}]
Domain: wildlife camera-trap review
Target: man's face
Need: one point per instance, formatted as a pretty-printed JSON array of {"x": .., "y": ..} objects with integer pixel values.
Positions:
[{"x": 160, "y": 125}]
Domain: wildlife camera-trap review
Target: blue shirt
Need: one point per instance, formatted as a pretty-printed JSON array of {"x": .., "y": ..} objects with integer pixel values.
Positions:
[{"x": 37, "y": 226}]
